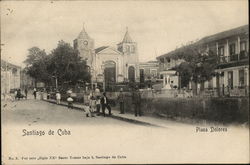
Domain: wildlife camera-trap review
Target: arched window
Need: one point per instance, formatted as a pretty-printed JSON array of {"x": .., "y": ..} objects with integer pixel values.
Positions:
[
  {"x": 14, "y": 71},
  {"x": 131, "y": 74}
]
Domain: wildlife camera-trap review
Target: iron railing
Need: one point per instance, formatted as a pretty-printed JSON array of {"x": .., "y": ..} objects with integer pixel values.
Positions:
[{"x": 235, "y": 57}]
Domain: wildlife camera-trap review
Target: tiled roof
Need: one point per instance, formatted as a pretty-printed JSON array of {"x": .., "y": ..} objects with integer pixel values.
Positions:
[
  {"x": 226, "y": 34},
  {"x": 169, "y": 54},
  {"x": 212, "y": 38},
  {"x": 97, "y": 50}
]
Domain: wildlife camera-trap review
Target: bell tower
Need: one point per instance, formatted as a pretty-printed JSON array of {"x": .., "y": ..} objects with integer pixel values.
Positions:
[
  {"x": 127, "y": 46},
  {"x": 130, "y": 57},
  {"x": 85, "y": 45}
]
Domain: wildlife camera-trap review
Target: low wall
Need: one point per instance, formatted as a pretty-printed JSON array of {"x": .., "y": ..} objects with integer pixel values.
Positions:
[{"x": 225, "y": 110}]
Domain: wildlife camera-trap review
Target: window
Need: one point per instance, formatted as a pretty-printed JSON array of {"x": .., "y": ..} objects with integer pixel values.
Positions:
[
  {"x": 230, "y": 79},
  {"x": 243, "y": 46},
  {"x": 241, "y": 78},
  {"x": 127, "y": 49},
  {"x": 232, "y": 49},
  {"x": 132, "y": 49},
  {"x": 153, "y": 72},
  {"x": 221, "y": 51},
  {"x": 14, "y": 71},
  {"x": 210, "y": 83},
  {"x": 162, "y": 60}
]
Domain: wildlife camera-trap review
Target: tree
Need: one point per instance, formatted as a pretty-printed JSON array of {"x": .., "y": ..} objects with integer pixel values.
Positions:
[
  {"x": 36, "y": 64},
  {"x": 63, "y": 63},
  {"x": 199, "y": 64},
  {"x": 35, "y": 54},
  {"x": 67, "y": 65}
]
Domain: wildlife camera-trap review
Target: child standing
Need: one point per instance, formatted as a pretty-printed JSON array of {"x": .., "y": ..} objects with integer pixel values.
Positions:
[
  {"x": 70, "y": 102},
  {"x": 58, "y": 97}
]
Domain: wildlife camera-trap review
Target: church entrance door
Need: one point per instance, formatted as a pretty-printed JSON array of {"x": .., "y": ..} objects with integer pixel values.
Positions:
[
  {"x": 131, "y": 74},
  {"x": 109, "y": 74}
]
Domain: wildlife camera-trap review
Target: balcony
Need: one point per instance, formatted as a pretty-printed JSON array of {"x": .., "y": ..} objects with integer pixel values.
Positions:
[
  {"x": 234, "y": 58},
  {"x": 243, "y": 55}
]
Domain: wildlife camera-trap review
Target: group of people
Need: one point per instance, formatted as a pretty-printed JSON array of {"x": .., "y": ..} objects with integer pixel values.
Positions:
[
  {"x": 97, "y": 102},
  {"x": 41, "y": 93},
  {"x": 18, "y": 94}
]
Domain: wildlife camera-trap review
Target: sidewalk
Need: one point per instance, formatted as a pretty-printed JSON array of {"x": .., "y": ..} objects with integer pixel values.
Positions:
[{"x": 128, "y": 117}]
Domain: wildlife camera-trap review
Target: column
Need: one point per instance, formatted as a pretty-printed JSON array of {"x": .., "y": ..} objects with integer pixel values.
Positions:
[
  {"x": 164, "y": 80},
  {"x": 217, "y": 48},
  {"x": 238, "y": 42},
  {"x": 227, "y": 52},
  {"x": 236, "y": 78},
  {"x": 226, "y": 78},
  {"x": 246, "y": 76},
  {"x": 238, "y": 46}
]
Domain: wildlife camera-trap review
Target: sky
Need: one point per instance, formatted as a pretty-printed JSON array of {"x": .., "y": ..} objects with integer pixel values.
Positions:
[{"x": 157, "y": 26}]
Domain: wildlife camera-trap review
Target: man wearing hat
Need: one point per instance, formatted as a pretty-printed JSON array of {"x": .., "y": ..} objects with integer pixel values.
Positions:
[
  {"x": 136, "y": 100},
  {"x": 120, "y": 99}
]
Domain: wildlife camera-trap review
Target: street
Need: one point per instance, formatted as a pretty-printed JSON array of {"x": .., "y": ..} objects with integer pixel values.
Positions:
[
  {"x": 37, "y": 112},
  {"x": 26, "y": 125}
]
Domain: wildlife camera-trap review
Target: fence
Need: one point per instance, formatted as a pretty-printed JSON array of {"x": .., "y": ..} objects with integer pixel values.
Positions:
[
  {"x": 224, "y": 110},
  {"x": 225, "y": 92}
]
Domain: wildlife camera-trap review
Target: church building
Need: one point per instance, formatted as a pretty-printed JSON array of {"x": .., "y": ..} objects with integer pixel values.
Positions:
[{"x": 120, "y": 64}]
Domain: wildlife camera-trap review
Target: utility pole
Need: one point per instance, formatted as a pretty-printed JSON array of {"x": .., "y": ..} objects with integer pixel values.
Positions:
[{"x": 56, "y": 81}]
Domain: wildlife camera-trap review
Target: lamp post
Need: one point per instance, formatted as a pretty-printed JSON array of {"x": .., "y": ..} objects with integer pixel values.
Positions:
[{"x": 56, "y": 80}]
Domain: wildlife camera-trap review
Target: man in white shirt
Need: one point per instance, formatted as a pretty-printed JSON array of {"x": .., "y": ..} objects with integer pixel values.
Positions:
[{"x": 58, "y": 97}]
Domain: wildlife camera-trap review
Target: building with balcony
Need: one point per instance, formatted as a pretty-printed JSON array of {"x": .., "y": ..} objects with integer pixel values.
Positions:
[
  {"x": 167, "y": 63},
  {"x": 232, "y": 50}
]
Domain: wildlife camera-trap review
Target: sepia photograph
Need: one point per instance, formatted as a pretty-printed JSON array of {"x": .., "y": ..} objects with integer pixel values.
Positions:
[{"x": 124, "y": 82}]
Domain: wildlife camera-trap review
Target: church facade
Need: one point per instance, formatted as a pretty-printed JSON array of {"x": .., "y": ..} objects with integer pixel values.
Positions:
[{"x": 109, "y": 64}]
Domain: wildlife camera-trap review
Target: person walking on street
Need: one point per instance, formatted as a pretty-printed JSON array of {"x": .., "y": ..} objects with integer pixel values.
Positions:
[
  {"x": 58, "y": 97},
  {"x": 34, "y": 93},
  {"x": 136, "y": 100},
  {"x": 26, "y": 93},
  {"x": 105, "y": 104},
  {"x": 98, "y": 105},
  {"x": 19, "y": 95},
  {"x": 91, "y": 105},
  {"x": 121, "y": 99},
  {"x": 70, "y": 102}
]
